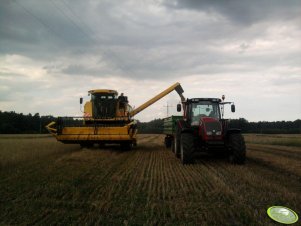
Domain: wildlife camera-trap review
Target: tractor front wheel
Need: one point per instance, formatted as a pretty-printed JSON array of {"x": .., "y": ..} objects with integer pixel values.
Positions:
[
  {"x": 187, "y": 147},
  {"x": 237, "y": 148}
]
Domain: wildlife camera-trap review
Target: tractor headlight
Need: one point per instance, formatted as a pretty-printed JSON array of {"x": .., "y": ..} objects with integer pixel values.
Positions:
[
  {"x": 217, "y": 133},
  {"x": 213, "y": 128}
]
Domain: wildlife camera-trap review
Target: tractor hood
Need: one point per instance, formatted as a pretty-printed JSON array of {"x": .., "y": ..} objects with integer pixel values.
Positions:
[{"x": 210, "y": 128}]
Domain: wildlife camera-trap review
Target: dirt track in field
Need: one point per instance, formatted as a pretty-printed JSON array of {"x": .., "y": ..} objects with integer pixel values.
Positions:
[{"x": 64, "y": 184}]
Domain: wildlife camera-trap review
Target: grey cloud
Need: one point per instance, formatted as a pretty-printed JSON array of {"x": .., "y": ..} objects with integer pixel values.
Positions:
[
  {"x": 38, "y": 29},
  {"x": 243, "y": 11},
  {"x": 82, "y": 70},
  {"x": 80, "y": 43},
  {"x": 19, "y": 88},
  {"x": 288, "y": 80}
]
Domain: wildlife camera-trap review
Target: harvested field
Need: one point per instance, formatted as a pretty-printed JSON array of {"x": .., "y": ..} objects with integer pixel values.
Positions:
[
  {"x": 275, "y": 139},
  {"x": 45, "y": 182}
]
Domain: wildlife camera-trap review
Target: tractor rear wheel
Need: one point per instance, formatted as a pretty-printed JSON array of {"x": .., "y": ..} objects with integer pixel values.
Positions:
[
  {"x": 176, "y": 146},
  {"x": 237, "y": 146},
  {"x": 187, "y": 148}
]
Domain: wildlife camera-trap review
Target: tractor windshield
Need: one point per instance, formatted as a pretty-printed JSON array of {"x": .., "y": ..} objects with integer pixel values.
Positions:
[{"x": 204, "y": 109}]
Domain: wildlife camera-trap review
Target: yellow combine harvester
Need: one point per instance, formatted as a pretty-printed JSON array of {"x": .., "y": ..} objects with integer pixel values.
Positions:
[{"x": 108, "y": 118}]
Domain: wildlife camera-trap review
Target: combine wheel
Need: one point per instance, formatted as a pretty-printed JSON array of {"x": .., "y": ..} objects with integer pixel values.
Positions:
[
  {"x": 176, "y": 146},
  {"x": 86, "y": 145},
  {"x": 101, "y": 145},
  {"x": 186, "y": 148},
  {"x": 127, "y": 146},
  {"x": 237, "y": 145}
]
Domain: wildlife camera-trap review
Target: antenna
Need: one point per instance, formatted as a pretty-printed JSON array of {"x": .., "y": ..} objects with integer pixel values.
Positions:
[{"x": 167, "y": 108}]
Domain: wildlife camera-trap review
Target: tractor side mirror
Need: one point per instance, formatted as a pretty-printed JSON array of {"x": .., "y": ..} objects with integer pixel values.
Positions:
[
  {"x": 81, "y": 100},
  {"x": 179, "y": 107},
  {"x": 233, "y": 108}
]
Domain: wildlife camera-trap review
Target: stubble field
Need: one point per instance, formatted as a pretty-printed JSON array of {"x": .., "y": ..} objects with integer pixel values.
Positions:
[{"x": 44, "y": 182}]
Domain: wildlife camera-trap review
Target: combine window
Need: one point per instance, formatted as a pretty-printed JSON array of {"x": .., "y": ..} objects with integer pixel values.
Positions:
[{"x": 104, "y": 106}]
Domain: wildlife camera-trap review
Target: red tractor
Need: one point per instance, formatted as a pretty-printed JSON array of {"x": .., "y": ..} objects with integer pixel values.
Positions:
[{"x": 203, "y": 129}]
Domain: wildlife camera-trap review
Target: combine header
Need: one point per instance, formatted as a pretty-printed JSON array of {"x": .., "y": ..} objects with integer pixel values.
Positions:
[{"x": 108, "y": 118}]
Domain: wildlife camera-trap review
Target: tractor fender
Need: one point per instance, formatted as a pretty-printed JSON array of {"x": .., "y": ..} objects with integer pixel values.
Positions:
[
  {"x": 186, "y": 130},
  {"x": 183, "y": 127}
]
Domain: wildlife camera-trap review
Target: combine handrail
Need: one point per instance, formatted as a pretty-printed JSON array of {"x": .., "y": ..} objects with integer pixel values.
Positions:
[{"x": 51, "y": 130}]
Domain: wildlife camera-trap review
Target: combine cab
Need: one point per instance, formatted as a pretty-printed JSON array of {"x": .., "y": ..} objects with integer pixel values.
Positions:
[{"x": 108, "y": 118}]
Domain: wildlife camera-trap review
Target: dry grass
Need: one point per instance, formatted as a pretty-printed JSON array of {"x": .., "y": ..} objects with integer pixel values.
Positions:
[
  {"x": 18, "y": 149},
  {"x": 277, "y": 139},
  {"x": 51, "y": 183}
]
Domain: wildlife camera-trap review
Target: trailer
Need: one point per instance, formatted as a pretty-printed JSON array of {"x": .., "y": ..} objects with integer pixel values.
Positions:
[{"x": 169, "y": 129}]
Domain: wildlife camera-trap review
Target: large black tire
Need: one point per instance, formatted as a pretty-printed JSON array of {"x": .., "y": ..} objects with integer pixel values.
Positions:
[
  {"x": 126, "y": 146},
  {"x": 86, "y": 145},
  {"x": 101, "y": 144},
  {"x": 187, "y": 148},
  {"x": 176, "y": 146},
  {"x": 237, "y": 148}
]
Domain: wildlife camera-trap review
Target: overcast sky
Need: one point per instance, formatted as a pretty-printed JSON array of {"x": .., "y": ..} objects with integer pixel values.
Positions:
[{"x": 54, "y": 51}]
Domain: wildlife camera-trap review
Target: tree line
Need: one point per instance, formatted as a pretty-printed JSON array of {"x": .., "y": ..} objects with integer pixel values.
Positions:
[
  {"x": 276, "y": 127},
  {"x": 18, "y": 123},
  {"x": 15, "y": 123}
]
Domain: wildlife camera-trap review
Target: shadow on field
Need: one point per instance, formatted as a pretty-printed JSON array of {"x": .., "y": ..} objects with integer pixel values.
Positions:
[
  {"x": 118, "y": 149},
  {"x": 106, "y": 148},
  {"x": 210, "y": 158},
  {"x": 148, "y": 148},
  {"x": 275, "y": 169}
]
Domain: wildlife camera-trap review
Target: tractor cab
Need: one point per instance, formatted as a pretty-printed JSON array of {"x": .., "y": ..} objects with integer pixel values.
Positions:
[
  {"x": 205, "y": 117},
  {"x": 199, "y": 108}
]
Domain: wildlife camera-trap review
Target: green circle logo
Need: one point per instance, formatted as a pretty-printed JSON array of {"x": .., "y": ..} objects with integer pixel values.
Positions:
[{"x": 282, "y": 214}]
